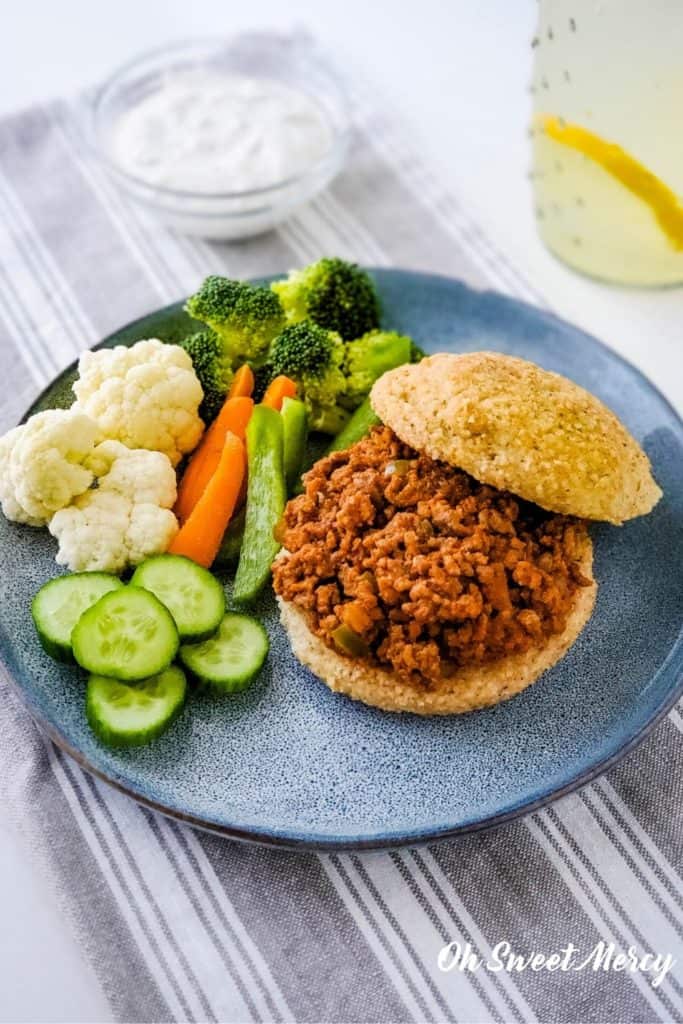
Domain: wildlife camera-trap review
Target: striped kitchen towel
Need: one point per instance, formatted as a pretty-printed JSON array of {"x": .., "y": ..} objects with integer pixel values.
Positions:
[{"x": 184, "y": 926}]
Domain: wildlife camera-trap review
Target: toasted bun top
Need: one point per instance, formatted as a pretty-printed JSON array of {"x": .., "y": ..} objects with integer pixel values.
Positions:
[{"x": 519, "y": 428}]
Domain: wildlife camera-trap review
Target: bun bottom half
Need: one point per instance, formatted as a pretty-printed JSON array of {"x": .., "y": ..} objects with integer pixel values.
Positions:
[{"x": 470, "y": 688}]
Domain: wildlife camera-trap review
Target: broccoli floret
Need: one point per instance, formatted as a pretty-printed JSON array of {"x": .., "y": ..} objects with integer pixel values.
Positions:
[
  {"x": 263, "y": 374},
  {"x": 322, "y": 394},
  {"x": 367, "y": 358},
  {"x": 213, "y": 370},
  {"x": 327, "y": 419},
  {"x": 336, "y": 295},
  {"x": 246, "y": 317},
  {"x": 302, "y": 348},
  {"x": 314, "y": 358}
]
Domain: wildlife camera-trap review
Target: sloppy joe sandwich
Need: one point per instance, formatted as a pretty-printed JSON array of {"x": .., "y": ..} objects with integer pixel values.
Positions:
[{"x": 443, "y": 562}]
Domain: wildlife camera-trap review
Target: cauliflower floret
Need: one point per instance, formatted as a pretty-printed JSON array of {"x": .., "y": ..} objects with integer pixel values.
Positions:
[
  {"x": 145, "y": 396},
  {"x": 8, "y": 500},
  {"x": 126, "y": 518},
  {"x": 43, "y": 464}
]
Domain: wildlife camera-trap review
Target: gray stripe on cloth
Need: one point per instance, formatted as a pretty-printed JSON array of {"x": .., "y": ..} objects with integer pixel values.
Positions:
[
  {"x": 33, "y": 349},
  {"x": 14, "y": 371},
  {"x": 423, "y": 969},
  {"x": 342, "y": 868},
  {"x": 662, "y": 888},
  {"x": 306, "y": 934},
  {"x": 420, "y": 243},
  {"x": 81, "y": 782},
  {"x": 155, "y": 826},
  {"x": 662, "y": 875},
  {"x": 127, "y": 220},
  {"x": 395, "y": 929},
  {"x": 439, "y": 910},
  {"x": 407, "y": 943},
  {"x": 622, "y": 919},
  {"x": 503, "y": 879},
  {"x": 651, "y": 787},
  {"x": 149, "y": 896},
  {"x": 94, "y": 259},
  {"x": 543, "y": 827},
  {"x": 50, "y": 832},
  {"x": 191, "y": 847},
  {"x": 90, "y": 256}
]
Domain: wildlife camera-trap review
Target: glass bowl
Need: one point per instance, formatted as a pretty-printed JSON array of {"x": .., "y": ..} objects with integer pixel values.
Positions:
[{"x": 225, "y": 215}]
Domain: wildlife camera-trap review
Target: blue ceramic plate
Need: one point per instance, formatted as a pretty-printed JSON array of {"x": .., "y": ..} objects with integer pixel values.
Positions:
[{"x": 290, "y": 763}]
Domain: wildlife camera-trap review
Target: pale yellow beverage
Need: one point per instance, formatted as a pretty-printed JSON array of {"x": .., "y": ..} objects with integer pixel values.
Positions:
[{"x": 607, "y": 137}]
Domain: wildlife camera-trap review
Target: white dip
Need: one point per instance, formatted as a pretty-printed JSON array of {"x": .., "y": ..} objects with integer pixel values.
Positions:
[{"x": 207, "y": 132}]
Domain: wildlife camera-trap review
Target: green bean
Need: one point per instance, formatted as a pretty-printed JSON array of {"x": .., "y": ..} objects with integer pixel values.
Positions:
[
  {"x": 231, "y": 545},
  {"x": 360, "y": 424},
  {"x": 295, "y": 432},
  {"x": 266, "y": 497}
]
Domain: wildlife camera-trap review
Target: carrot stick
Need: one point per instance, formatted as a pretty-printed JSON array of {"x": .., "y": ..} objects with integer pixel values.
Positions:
[
  {"x": 242, "y": 383},
  {"x": 279, "y": 389},
  {"x": 200, "y": 537},
  {"x": 233, "y": 417}
]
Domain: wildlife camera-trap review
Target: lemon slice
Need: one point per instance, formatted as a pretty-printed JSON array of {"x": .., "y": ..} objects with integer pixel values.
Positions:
[{"x": 633, "y": 175}]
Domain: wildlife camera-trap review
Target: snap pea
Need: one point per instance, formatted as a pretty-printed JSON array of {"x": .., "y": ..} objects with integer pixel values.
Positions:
[
  {"x": 231, "y": 545},
  {"x": 293, "y": 414},
  {"x": 266, "y": 497},
  {"x": 360, "y": 424}
]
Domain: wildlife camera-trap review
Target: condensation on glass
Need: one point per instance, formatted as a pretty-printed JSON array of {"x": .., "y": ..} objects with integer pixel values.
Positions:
[{"x": 607, "y": 137}]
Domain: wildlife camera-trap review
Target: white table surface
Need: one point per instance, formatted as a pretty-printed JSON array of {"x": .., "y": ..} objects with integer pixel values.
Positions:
[{"x": 458, "y": 70}]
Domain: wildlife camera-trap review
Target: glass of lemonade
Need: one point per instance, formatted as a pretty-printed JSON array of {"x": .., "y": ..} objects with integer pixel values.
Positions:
[{"x": 607, "y": 139}]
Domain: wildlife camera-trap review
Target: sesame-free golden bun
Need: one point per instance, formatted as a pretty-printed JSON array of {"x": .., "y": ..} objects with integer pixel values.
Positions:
[{"x": 522, "y": 429}]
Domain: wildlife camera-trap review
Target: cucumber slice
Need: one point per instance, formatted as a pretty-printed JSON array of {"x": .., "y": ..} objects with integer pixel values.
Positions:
[
  {"x": 230, "y": 660},
  {"x": 127, "y": 634},
  {"x": 59, "y": 604},
  {"x": 192, "y": 595},
  {"x": 130, "y": 714}
]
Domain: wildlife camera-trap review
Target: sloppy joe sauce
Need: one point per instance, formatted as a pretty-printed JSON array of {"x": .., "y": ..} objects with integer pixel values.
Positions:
[{"x": 425, "y": 568}]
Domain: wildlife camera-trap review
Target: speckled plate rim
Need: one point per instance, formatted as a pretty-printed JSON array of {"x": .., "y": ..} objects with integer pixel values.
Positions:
[{"x": 671, "y": 668}]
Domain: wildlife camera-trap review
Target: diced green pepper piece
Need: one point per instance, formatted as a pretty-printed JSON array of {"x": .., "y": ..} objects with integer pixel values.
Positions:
[
  {"x": 349, "y": 642},
  {"x": 399, "y": 467}
]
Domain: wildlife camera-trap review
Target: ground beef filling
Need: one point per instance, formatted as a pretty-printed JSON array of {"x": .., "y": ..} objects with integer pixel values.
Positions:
[{"x": 419, "y": 568}]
